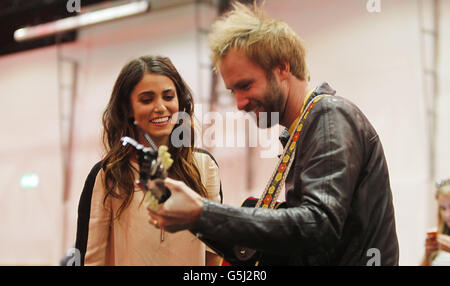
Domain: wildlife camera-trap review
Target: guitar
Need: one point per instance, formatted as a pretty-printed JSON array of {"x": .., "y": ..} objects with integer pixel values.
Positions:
[
  {"x": 153, "y": 165},
  {"x": 243, "y": 256}
]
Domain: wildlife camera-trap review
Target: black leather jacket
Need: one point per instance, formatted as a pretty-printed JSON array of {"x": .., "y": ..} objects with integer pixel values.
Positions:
[{"x": 338, "y": 194}]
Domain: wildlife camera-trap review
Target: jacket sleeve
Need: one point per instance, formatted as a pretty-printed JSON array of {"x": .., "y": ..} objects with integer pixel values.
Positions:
[
  {"x": 330, "y": 151},
  {"x": 94, "y": 220},
  {"x": 84, "y": 211}
]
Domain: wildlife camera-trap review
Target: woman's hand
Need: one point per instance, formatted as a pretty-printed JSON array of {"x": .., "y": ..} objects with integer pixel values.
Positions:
[
  {"x": 431, "y": 244},
  {"x": 443, "y": 242}
]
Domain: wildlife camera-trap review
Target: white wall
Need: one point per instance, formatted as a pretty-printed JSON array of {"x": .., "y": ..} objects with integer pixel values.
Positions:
[
  {"x": 443, "y": 150},
  {"x": 30, "y": 219},
  {"x": 371, "y": 58}
]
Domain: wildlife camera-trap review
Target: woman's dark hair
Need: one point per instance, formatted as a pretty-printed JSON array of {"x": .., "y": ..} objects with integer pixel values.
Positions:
[{"x": 118, "y": 122}]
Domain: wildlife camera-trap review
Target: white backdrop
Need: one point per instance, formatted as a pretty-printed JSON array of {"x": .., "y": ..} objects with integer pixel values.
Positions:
[{"x": 371, "y": 58}]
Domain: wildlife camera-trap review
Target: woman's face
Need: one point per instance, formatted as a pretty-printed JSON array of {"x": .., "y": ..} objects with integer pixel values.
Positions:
[
  {"x": 444, "y": 208},
  {"x": 154, "y": 101}
]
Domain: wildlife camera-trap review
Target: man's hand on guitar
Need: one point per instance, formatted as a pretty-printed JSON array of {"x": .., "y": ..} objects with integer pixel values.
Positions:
[{"x": 181, "y": 211}]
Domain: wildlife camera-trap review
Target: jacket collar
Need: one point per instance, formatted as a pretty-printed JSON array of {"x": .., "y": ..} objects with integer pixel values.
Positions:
[{"x": 323, "y": 88}]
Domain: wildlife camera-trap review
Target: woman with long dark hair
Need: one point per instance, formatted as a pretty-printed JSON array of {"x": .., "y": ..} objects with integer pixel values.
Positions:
[{"x": 148, "y": 96}]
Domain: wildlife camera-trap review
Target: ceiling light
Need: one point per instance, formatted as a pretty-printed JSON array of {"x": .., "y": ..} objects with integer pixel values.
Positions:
[{"x": 82, "y": 20}]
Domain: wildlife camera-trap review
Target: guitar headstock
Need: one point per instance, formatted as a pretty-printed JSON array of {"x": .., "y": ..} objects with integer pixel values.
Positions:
[
  {"x": 159, "y": 193},
  {"x": 153, "y": 166}
]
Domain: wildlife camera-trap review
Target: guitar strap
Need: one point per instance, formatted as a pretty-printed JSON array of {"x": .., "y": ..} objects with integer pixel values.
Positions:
[{"x": 276, "y": 181}]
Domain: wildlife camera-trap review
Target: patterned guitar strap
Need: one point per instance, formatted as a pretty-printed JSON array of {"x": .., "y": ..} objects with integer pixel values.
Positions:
[{"x": 272, "y": 190}]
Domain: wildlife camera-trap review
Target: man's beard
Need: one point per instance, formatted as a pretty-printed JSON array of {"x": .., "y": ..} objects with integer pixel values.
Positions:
[{"x": 271, "y": 102}]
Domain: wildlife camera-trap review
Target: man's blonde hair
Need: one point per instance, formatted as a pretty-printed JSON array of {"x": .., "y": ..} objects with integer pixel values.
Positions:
[{"x": 266, "y": 42}]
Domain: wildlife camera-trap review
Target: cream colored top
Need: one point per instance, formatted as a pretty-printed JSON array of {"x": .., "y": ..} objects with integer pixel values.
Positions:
[{"x": 131, "y": 240}]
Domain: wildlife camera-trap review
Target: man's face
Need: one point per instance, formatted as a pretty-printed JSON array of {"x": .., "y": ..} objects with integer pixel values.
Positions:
[{"x": 253, "y": 90}]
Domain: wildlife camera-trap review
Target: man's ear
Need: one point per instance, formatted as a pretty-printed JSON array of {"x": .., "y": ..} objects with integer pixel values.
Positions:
[{"x": 283, "y": 70}]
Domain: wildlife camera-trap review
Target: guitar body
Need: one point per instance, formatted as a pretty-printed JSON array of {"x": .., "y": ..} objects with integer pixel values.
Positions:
[{"x": 249, "y": 257}]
